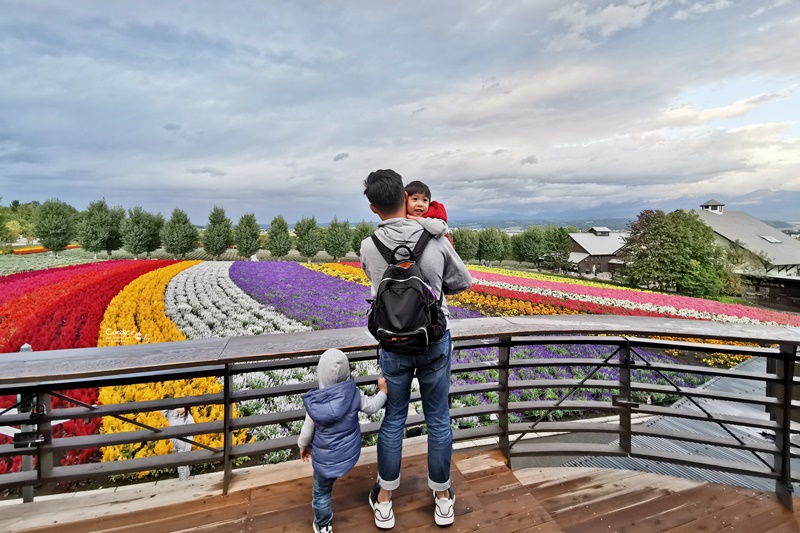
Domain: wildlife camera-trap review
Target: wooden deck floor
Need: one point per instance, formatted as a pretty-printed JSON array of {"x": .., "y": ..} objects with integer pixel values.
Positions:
[{"x": 490, "y": 498}]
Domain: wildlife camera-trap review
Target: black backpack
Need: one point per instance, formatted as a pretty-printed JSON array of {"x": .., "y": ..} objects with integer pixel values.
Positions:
[{"x": 405, "y": 316}]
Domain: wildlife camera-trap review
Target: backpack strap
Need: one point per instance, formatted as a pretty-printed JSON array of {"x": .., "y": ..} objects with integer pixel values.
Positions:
[
  {"x": 383, "y": 249},
  {"x": 415, "y": 254},
  {"x": 423, "y": 241}
]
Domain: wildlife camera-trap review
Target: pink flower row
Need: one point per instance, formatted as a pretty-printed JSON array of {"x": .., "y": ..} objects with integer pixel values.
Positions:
[{"x": 678, "y": 302}]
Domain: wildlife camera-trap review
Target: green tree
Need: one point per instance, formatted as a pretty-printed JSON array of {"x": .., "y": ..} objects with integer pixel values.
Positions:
[
  {"x": 490, "y": 244},
  {"x": 362, "y": 230},
  {"x": 246, "y": 235},
  {"x": 674, "y": 252},
  {"x": 100, "y": 228},
  {"x": 137, "y": 231},
  {"x": 557, "y": 246},
  {"x": 154, "y": 226},
  {"x": 13, "y": 230},
  {"x": 308, "y": 237},
  {"x": 179, "y": 236},
  {"x": 279, "y": 243},
  {"x": 337, "y": 241},
  {"x": 529, "y": 246},
  {"x": 465, "y": 242},
  {"x": 55, "y": 225},
  {"x": 217, "y": 236}
]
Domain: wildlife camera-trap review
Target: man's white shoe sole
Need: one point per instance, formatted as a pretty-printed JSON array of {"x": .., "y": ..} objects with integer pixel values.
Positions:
[{"x": 382, "y": 522}]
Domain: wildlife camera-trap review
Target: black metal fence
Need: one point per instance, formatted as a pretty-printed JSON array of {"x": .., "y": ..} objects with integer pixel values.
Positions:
[{"x": 513, "y": 376}]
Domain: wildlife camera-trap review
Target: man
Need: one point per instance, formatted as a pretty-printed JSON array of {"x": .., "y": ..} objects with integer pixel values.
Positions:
[{"x": 446, "y": 274}]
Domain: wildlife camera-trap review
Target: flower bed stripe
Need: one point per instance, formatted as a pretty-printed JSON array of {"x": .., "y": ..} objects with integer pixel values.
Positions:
[
  {"x": 138, "y": 315},
  {"x": 15, "y": 285},
  {"x": 204, "y": 302}
]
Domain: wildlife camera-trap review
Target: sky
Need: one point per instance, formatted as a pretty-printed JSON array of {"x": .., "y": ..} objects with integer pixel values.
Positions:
[{"x": 534, "y": 109}]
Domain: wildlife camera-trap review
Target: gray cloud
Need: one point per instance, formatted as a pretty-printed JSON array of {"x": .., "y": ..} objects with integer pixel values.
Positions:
[
  {"x": 206, "y": 170},
  {"x": 111, "y": 100}
]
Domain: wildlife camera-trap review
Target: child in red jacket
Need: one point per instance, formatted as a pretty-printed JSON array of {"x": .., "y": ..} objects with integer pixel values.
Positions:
[{"x": 432, "y": 215}]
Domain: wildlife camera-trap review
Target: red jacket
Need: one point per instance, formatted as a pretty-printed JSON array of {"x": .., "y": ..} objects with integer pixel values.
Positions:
[{"x": 437, "y": 210}]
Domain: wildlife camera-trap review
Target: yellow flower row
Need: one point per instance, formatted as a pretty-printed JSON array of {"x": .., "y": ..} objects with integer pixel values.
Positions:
[
  {"x": 338, "y": 270},
  {"x": 548, "y": 277},
  {"x": 497, "y": 306},
  {"x": 138, "y": 315}
]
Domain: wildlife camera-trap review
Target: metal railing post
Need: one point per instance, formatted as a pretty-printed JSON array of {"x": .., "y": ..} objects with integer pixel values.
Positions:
[
  {"x": 504, "y": 355},
  {"x": 227, "y": 432},
  {"x": 625, "y": 393},
  {"x": 26, "y": 406},
  {"x": 45, "y": 459},
  {"x": 783, "y": 465}
]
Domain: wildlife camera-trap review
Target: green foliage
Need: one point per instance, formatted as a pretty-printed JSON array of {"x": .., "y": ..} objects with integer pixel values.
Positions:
[
  {"x": 279, "y": 243},
  {"x": 55, "y": 225},
  {"x": 217, "y": 236},
  {"x": 529, "y": 246},
  {"x": 557, "y": 246},
  {"x": 465, "y": 242},
  {"x": 674, "y": 252},
  {"x": 13, "y": 230},
  {"x": 179, "y": 236},
  {"x": 490, "y": 244},
  {"x": 308, "y": 237},
  {"x": 101, "y": 228},
  {"x": 362, "y": 230},
  {"x": 140, "y": 231},
  {"x": 154, "y": 233},
  {"x": 246, "y": 235},
  {"x": 337, "y": 241}
]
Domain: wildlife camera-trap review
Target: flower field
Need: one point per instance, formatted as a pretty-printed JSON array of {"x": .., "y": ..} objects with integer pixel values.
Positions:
[{"x": 118, "y": 302}]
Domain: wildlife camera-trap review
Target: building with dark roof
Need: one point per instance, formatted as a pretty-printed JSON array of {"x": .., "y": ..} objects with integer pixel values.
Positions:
[
  {"x": 774, "y": 271},
  {"x": 780, "y": 253},
  {"x": 597, "y": 250}
]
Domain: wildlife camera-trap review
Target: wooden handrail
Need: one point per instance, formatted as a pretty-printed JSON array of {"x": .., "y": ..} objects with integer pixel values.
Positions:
[{"x": 41, "y": 373}]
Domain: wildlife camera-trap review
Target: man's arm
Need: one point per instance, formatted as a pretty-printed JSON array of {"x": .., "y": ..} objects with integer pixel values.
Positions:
[
  {"x": 434, "y": 226},
  {"x": 455, "y": 278}
]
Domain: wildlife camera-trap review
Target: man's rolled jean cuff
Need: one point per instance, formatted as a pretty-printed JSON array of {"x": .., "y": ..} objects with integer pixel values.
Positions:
[
  {"x": 392, "y": 485},
  {"x": 438, "y": 486}
]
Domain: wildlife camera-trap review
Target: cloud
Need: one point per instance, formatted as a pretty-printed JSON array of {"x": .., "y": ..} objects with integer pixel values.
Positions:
[
  {"x": 697, "y": 9},
  {"x": 621, "y": 101},
  {"x": 588, "y": 27},
  {"x": 206, "y": 170},
  {"x": 689, "y": 114}
]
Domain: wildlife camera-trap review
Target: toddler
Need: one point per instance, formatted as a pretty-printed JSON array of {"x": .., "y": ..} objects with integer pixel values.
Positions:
[{"x": 431, "y": 214}]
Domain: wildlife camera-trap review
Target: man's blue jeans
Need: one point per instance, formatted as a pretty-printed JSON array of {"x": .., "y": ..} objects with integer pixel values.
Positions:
[
  {"x": 321, "y": 489},
  {"x": 432, "y": 369}
]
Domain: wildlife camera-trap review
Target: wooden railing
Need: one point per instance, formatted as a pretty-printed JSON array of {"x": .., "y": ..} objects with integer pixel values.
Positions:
[{"x": 35, "y": 376}]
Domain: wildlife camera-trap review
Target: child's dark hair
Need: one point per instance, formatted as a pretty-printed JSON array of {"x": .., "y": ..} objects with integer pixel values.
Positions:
[
  {"x": 417, "y": 187},
  {"x": 384, "y": 190}
]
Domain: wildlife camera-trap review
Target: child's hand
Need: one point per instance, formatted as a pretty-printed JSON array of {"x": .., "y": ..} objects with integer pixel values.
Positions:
[
  {"x": 305, "y": 454},
  {"x": 382, "y": 385}
]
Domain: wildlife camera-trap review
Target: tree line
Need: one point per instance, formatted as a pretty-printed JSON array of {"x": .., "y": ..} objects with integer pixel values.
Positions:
[{"x": 674, "y": 252}]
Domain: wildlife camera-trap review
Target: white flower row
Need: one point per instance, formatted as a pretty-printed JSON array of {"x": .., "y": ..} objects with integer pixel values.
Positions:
[
  {"x": 204, "y": 302},
  {"x": 625, "y": 304}
]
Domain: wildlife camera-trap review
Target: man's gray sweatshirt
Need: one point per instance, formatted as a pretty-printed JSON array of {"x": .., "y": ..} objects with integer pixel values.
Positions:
[{"x": 439, "y": 262}]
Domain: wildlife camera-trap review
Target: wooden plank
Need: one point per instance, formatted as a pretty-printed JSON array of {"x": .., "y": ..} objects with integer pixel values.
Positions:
[
  {"x": 730, "y": 515},
  {"x": 636, "y": 516},
  {"x": 594, "y": 478},
  {"x": 709, "y": 500}
]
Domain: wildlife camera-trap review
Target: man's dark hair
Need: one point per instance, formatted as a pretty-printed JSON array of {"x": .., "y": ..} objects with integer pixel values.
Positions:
[
  {"x": 384, "y": 190},
  {"x": 417, "y": 187}
]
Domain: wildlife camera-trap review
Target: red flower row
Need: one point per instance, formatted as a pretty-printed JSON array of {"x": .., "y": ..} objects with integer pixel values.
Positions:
[{"x": 67, "y": 313}]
